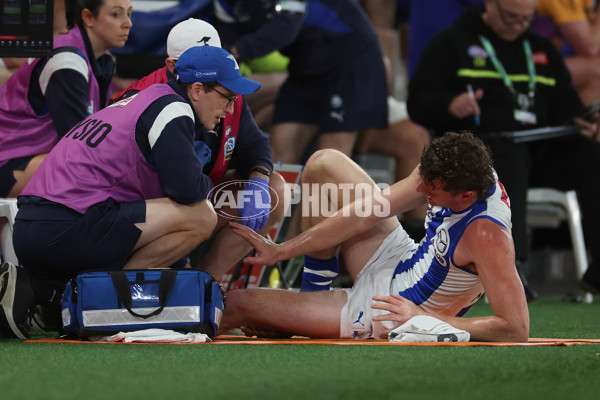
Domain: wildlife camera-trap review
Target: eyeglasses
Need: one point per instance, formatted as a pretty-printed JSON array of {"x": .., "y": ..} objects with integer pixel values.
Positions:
[
  {"x": 230, "y": 100},
  {"x": 510, "y": 18}
]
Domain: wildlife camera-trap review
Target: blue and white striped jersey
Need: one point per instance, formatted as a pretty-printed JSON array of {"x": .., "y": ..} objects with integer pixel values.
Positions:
[{"x": 429, "y": 276}]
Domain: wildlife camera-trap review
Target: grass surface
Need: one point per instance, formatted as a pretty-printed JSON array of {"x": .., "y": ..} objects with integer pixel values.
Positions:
[{"x": 92, "y": 371}]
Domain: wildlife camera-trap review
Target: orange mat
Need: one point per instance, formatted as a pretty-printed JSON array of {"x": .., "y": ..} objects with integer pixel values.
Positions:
[{"x": 242, "y": 340}]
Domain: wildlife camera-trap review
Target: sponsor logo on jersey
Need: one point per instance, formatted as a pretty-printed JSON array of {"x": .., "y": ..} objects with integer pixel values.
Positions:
[
  {"x": 441, "y": 242},
  {"x": 228, "y": 130},
  {"x": 229, "y": 146}
]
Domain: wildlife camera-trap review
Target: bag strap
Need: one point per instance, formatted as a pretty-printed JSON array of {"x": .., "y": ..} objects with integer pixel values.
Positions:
[{"x": 165, "y": 287}]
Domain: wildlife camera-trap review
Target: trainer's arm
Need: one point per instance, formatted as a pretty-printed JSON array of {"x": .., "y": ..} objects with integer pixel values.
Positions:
[{"x": 344, "y": 224}]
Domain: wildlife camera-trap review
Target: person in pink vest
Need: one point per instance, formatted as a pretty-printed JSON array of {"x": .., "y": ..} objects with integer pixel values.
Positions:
[
  {"x": 236, "y": 140},
  {"x": 47, "y": 96},
  {"x": 126, "y": 188}
]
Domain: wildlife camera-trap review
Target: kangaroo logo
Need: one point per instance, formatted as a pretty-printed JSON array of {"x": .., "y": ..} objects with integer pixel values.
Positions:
[{"x": 204, "y": 40}]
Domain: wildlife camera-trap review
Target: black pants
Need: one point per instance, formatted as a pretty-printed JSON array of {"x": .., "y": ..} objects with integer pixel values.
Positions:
[{"x": 570, "y": 163}]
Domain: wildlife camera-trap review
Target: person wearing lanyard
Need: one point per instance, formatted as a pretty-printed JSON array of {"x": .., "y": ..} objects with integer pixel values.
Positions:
[{"x": 490, "y": 66}]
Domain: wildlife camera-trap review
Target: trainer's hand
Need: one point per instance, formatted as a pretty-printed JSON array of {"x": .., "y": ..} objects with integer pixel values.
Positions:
[
  {"x": 257, "y": 205},
  {"x": 268, "y": 253},
  {"x": 400, "y": 309}
]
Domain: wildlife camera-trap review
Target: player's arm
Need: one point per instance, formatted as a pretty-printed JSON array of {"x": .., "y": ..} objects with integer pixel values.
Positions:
[
  {"x": 344, "y": 224},
  {"x": 490, "y": 248}
]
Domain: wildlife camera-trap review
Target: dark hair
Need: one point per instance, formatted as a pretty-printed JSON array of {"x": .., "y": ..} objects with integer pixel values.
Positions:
[
  {"x": 75, "y": 7},
  {"x": 459, "y": 162},
  {"x": 208, "y": 86}
]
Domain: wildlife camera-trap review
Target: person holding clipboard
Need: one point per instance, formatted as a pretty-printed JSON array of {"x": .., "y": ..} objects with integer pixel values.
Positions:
[{"x": 489, "y": 74}]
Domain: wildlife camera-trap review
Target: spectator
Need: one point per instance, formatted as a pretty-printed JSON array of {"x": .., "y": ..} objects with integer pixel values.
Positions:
[
  {"x": 402, "y": 139},
  {"x": 520, "y": 81},
  {"x": 426, "y": 19},
  {"x": 467, "y": 250},
  {"x": 237, "y": 138},
  {"x": 125, "y": 187},
  {"x": 43, "y": 100},
  {"x": 336, "y": 83},
  {"x": 382, "y": 14},
  {"x": 574, "y": 26}
]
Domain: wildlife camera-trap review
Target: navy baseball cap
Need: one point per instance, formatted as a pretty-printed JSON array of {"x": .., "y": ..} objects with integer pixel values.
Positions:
[{"x": 213, "y": 64}]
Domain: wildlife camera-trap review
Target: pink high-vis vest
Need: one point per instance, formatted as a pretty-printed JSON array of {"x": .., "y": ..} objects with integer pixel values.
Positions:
[{"x": 23, "y": 132}]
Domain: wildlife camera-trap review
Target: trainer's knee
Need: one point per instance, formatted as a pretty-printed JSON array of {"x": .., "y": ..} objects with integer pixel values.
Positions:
[{"x": 202, "y": 217}]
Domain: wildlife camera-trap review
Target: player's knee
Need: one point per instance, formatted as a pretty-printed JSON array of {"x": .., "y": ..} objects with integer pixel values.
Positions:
[
  {"x": 320, "y": 163},
  {"x": 281, "y": 194},
  {"x": 239, "y": 303}
]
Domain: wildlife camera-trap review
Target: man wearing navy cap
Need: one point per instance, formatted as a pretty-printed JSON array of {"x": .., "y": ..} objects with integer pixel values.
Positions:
[{"x": 125, "y": 187}]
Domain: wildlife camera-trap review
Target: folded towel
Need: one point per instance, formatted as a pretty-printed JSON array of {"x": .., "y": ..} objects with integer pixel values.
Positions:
[
  {"x": 154, "y": 336},
  {"x": 424, "y": 328}
]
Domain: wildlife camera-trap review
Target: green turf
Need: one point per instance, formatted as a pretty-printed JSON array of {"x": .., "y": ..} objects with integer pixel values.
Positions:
[{"x": 92, "y": 371}]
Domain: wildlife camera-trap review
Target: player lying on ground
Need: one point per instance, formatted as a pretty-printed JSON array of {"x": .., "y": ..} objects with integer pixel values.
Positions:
[{"x": 467, "y": 250}]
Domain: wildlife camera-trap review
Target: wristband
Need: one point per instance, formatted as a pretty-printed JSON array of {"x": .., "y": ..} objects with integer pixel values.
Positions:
[{"x": 261, "y": 170}]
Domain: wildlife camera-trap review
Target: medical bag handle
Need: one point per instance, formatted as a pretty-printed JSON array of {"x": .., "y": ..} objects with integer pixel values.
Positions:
[{"x": 165, "y": 287}]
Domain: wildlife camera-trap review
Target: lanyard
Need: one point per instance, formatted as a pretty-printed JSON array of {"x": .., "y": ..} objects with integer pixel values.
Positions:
[{"x": 500, "y": 68}]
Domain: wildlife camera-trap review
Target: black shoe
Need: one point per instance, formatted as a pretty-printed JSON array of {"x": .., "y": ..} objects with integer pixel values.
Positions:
[
  {"x": 16, "y": 300},
  {"x": 591, "y": 281}
]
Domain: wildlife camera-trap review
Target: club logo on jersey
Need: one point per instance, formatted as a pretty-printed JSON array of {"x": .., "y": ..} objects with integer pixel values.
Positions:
[
  {"x": 441, "y": 243},
  {"x": 228, "y": 149}
]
